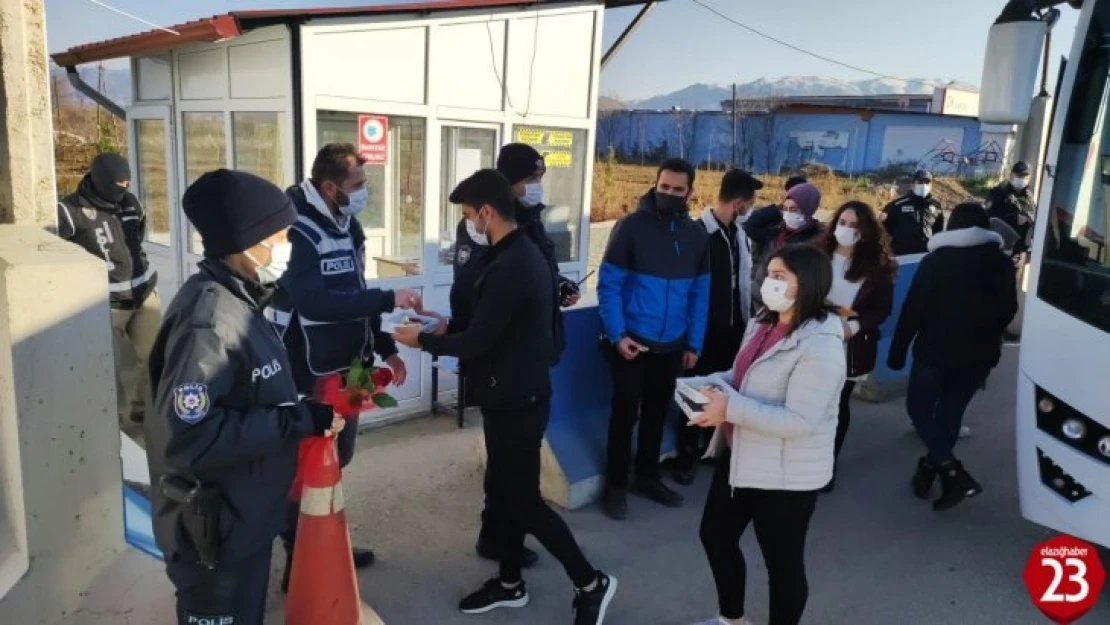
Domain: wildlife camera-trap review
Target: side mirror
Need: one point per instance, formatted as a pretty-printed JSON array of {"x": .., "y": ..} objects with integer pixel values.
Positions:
[{"x": 1010, "y": 70}]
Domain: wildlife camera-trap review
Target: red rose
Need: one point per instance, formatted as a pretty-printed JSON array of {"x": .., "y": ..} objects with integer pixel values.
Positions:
[{"x": 382, "y": 377}]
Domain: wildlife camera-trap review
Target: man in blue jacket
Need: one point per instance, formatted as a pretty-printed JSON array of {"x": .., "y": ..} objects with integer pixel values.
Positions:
[
  {"x": 653, "y": 295},
  {"x": 331, "y": 316}
]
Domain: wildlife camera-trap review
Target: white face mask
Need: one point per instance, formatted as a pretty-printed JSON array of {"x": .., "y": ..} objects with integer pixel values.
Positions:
[
  {"x": 846, "y": 236},
  {"x": 774, "y": 296},
  {"x": 533, "y": 194},
  {"x": 356, "y": 202},
  {"x": 794, "y": 220},
  {"x": 280, "y": 254},
  {"x": 921, "y": 190},
  {"x": 481, "y": 238},
  {"x": 1019, "y": 183}
]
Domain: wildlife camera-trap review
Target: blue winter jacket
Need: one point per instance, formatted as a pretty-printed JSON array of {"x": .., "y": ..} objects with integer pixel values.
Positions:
[
  {"x": 654, "y": 281},
  {"x": 334, "y": 316}
]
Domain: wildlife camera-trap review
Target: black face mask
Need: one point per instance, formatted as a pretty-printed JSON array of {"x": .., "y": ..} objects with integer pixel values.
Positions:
[
  {"x": 670, "y": 205},
  {"x": 106, "y": 171}
]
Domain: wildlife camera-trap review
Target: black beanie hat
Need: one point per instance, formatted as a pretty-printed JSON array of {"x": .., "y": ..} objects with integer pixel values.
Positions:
[
  {"x": 106, "y": 170},
  {"x": 234, "y": 211},
  {"x": 518, "y": 161}
]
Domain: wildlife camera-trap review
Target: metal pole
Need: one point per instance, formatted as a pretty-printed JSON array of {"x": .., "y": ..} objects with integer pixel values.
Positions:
[{"x": 734, "y": 128}]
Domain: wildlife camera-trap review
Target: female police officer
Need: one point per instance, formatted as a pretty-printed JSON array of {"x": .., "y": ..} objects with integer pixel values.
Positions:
[{"x": 222, "y": 436}]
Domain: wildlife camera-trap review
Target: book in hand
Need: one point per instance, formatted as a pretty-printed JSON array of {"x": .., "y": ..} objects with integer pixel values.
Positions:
[
  {"x": 394, "y": 320},
  {"x": 691, "y": 399}
]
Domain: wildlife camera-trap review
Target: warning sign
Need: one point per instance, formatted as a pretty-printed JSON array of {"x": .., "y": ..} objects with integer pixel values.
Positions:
[
  {"x": 552, "y": 144},
  {"x": 373, "y": 139}
]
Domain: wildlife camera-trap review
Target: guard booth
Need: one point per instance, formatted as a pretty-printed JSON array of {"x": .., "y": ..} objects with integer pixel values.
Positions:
[{"x": 428, "y": 91}]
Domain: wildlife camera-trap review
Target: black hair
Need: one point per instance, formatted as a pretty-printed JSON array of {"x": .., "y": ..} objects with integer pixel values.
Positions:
[
  {"x": 794, "y": 181},
  {"x": 680, "y": 166},
  {"x": 738, "y": 184},
  {"x": 333, "y": 163},
  {"x": 814, "y": 270},
  {"x": 968, "y": 215},
  {"x": 487, "y": 187},
  {"x": 871, "y": 255}
]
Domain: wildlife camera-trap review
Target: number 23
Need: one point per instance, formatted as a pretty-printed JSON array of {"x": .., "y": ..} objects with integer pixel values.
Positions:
[{"x": 1080, "y": 577}]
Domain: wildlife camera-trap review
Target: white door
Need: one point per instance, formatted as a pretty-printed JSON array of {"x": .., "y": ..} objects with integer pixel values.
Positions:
[{"x": 150, "y": 143}]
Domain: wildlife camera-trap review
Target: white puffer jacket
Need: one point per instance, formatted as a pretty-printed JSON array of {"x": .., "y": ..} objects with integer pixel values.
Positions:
[{"x": 784, "y": 413}]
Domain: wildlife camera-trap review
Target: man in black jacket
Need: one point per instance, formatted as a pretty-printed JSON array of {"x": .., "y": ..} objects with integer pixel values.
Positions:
[
  {"x": 730, "y": 298},
  {"x": 1012, "y": 203},
  {"x": 226, "y": 420},
  {"x": 912, "y": 219},
  {"x": 508, "y": 346},
  {"x": 109, "y": 222},
  {"x": 960, "y": 301}
]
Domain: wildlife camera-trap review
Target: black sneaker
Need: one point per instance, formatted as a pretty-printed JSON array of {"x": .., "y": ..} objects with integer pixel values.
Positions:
[
  {"x": 590, "y": 606},
  {"x": 923, "y": 479},
  {"x": 658, "y": 492},
  {"x": 363, "y": 558},
  {"x": 493, "y": 595},
  {"x": 956, "y": 485},
  {"x": 615, "y": 504},
  {"x": 684, "y": 471},
  {"x": 489, "y": 552}
]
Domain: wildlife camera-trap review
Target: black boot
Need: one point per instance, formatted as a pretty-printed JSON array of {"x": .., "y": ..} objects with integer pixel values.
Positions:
[
  {"x": 288, "y": 568},
  {"x": 657, "y": 491},
  {"x": 956, "y": 485},
  {"x": 615, "y": 503},
  {"x": 684, "y": 469},
  {"x": 923, "y": 479}
]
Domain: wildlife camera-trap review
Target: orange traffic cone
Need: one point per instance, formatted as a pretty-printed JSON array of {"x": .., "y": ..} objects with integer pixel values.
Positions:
[{"x": 323, "y": 589}]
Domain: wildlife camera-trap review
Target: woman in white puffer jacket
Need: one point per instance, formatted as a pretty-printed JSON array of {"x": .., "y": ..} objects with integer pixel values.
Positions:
[{"x": 777, "y": 410}]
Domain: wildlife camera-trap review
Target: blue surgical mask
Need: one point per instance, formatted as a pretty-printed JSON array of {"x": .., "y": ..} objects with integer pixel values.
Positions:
[
  {"x": 533, "y": 194},
  {"x": 356, "y": 202}
]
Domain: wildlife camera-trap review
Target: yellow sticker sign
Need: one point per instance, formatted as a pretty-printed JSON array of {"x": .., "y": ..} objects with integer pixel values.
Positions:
[
  {"x": 550, "y": 143},
  {"x": 557, "y": 158},
  {"x": 529, "y": 136},
  {"x": 560, "y": 139}
]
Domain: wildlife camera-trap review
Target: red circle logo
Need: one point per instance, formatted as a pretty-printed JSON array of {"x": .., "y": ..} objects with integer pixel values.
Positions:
[{"x": 1064, "y": 576}]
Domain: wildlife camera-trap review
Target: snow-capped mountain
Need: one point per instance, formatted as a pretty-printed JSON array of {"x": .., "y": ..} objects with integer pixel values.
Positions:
[{"x": 709, "y": 97}]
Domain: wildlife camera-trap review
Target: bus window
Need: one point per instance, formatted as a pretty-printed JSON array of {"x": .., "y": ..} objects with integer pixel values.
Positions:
[{"x": 1075, "y": 270}]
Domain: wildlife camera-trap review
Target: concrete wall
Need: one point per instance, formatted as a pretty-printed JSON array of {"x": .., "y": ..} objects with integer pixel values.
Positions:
[{"x": 767, "y": 143}]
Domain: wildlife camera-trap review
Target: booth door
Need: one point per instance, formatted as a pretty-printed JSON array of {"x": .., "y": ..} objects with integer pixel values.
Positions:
[{"x": 150, "y": 142}]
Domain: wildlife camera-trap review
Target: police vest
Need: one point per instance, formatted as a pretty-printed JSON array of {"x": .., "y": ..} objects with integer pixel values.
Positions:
[{"x": 329, "y": 346}]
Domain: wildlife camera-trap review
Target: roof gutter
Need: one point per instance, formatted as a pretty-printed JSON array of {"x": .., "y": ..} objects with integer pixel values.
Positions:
[
  {"x": 86, "y": 89},
  {"x": 632, "y": 26}
]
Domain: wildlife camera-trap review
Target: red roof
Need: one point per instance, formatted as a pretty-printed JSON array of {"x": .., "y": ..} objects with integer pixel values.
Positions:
[{"x": 236, "y": 23}]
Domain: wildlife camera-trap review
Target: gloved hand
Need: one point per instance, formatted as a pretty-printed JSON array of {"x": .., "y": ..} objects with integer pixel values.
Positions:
[{"x": 323, "y": 416}]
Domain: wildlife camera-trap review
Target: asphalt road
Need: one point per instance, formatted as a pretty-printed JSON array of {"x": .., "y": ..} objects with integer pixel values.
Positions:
[{"x": 876, "y": 555}]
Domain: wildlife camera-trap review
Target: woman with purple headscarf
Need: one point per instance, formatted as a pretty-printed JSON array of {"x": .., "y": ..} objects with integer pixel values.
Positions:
[{"x": 771, "y": 228}]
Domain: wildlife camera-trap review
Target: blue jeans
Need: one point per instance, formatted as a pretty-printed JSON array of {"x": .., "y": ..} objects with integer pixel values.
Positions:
[{"x": 936, "y": 400}]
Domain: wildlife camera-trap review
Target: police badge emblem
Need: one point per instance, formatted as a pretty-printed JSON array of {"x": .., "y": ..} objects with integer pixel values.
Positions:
[
  {"x": 463, "y": 256},
  {"x": 190, "y": 402},
  {"x": 89, "y": 213}
]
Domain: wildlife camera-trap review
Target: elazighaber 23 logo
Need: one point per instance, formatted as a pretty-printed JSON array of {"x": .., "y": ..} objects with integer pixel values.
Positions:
[{"x": 1064, "y": 576}]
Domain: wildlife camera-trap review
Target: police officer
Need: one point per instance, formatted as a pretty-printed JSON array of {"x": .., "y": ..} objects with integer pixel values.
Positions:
[
  {"x": 226, "y": 421},
  {"x": 109, "y": 222},
  {"x": 1012, "y": 203},
  {"x": 333, "y": 317},
  {"x": 912, "y": 219}
]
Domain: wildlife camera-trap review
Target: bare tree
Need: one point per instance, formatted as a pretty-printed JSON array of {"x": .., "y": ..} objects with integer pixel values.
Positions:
[
  {"x": 607, "y": 122},
  {"x": 769, "y": 134}
]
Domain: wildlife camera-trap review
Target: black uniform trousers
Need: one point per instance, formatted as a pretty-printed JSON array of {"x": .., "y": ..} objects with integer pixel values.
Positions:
[
  {"x": 232, "y": 594},
  {"x": 514, "y": 506},
  {"x": 643, "y": 391}
]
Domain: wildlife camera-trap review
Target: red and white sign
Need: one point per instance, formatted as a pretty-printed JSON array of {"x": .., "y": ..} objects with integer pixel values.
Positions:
[
  {"x": 373, "y": 139},
  {"x": 1064, "y": 576}
]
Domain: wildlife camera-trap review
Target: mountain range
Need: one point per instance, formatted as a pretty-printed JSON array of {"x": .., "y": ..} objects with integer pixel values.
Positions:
[{"x": 709, "y": 97}]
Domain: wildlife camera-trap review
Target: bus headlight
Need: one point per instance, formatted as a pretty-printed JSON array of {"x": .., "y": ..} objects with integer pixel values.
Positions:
[
  {"x": 1046, "y": 405},
  {"x": 1074, "y": 429},
  {"x": 1104, "y": 446}
]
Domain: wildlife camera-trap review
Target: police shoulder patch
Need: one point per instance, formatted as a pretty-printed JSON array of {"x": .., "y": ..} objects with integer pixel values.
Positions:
[
  {"x": 463, "y": 256},
  {"x": 190, "y": 402}
]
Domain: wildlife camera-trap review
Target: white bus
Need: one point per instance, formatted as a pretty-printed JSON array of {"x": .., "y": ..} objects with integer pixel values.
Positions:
[{"x": 1063, "y": 389}]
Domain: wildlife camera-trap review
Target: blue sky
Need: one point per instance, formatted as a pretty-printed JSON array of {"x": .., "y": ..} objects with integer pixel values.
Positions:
[{"x": 681, "y": 43}]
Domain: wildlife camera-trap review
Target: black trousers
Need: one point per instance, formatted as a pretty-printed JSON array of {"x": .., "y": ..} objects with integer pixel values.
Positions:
[
  {"x": 345, "y": 445},
  {"x": 781, "y": 519},
  {"x": 234, "y": 593},
  {"x": 936, "y": 399},
  {"x": 514, "y": 505},
  {"x": 844, "y": 417},
  {"x": 643, "y": 391}
]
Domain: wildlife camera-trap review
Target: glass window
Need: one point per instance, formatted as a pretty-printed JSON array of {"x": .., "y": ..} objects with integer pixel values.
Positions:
[
  {"x": 205, "y": 150},
  {"x": 564, "y": 151},
  {"x": 1075, "y": 272},
  {"x": 465, "y": 151},
  {"x": 150, "y": 143},
  {"x": 394, "y": 215},
  {"x": 257, "y": 143}
]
